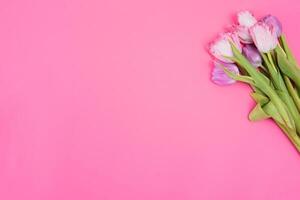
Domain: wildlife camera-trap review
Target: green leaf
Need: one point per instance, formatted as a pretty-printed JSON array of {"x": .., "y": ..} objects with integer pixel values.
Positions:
[
  {"x": 258, "y": 114},
  {"x": 287, "y": 50},
  {"x": 271, "y": 110},
  {"x": 293, "y": 92},
  {"x": 288, "y": 68},
  {"x": 259, "y": 98},
  {"x": 245, "y": 79}
]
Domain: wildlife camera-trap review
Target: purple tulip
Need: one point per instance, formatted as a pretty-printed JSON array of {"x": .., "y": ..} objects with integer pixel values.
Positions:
[
  {"x": 219, "y": 76},
  {"x": 252, "y": 54},
  {"x": 273, "y": 22}
]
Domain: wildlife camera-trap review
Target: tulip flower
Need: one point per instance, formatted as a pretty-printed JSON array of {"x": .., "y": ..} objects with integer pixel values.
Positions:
[
  {"x": 245, "y": 18},
  {"x": 252, "y": 54},
  {"x": 221, "y": 47},
  {"x": 264, "y": 37},
  {"x": 219, "y": 76},
  {"x": 244, "y": 34},
  {"x": 272, "y": 21},
  {"x": 245, "y": 21}
]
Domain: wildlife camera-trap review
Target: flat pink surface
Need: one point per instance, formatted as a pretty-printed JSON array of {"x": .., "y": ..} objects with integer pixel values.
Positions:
[{"x": 111, "y": 100}]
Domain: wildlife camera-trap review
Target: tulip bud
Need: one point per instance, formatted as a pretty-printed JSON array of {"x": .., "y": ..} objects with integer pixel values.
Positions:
[
  {"x": 264, "y": 37},
  {"x": 221, "y": 47},
  {"x": 245, "y": 21},
  {"x": 252, "y": 54},
  {"x": 219, "y": 76},
  {"x": 272, "y": 21},
  {"x": 244, "y": 34}
]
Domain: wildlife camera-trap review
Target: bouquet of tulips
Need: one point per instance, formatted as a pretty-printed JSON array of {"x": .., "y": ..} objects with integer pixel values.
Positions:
[{"x": 255, "y": 52}]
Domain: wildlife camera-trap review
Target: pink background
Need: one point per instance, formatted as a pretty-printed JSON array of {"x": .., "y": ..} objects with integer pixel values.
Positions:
[{"x": 111, "y": 100}]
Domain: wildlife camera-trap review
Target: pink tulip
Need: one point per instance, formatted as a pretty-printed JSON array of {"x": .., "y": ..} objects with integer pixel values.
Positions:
[
  {"x": 244, "y": 34},
  {"x": 219, "y": 76},
  {"x": 245, "y": 21},
  {"x": 272, "y": 21},
  {"x": 264, "y": 37},
  {"x": 221, "y": 47}
]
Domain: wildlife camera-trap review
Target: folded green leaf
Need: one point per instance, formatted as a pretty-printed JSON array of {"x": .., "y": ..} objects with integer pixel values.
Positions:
[
  {"x": 258, "y": 114},
  {"x": 259, "y": 98}
]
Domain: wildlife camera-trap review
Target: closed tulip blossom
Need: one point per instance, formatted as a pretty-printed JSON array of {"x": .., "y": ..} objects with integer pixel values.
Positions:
[
  {"x": 244, "y": 34},
  {"x": 252, "y": 54},
  {"x": 272, "y": 21},
  {"x": 221, "y": 47},
  {"x": 246, "y": 18},
  {"x": 264, "y": 37},
  {"x": 219, "y": 76},
  {"x": 245, "y": 21}
]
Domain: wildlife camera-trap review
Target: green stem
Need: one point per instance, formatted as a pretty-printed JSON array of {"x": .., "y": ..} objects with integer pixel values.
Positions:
[
  {"x": 271, "y": 61},
  {"x": 292, "y": 91},
  {"x": 294, "y": 138},
  {"x": 273, "y": 72}
]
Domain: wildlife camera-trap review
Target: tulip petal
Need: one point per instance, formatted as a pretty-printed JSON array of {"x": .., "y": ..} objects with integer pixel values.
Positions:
[
  {"x": 252, "y": 54},
  {"x": 273, "y": 22},
  {"x": 244, "y": 34},
  {"x": 246, "y": 19},
  {"x": 219, "y": 76}
]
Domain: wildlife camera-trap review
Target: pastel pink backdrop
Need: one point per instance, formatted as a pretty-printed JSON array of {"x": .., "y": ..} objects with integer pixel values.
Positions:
[{"x": 112, "y": 100}]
